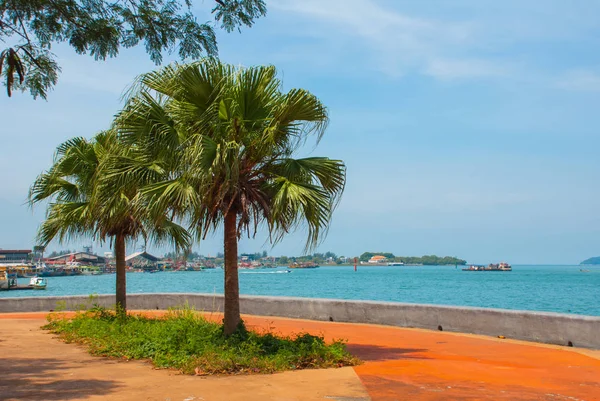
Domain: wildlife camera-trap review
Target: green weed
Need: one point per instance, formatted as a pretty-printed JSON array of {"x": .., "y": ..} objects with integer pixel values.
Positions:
[{"x": 185, "y": 340}]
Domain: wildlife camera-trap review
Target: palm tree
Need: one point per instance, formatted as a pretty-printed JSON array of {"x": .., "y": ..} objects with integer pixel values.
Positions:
[
  {"x": 87, "y": 201},
  {"x": 38, "y": 250},
  {"x": 224, "y": 138}
]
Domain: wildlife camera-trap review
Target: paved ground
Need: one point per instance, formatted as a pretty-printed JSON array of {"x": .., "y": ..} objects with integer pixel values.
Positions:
[
  {"x": 36, "y": 366},
  {"x": 400, "y": 364}
]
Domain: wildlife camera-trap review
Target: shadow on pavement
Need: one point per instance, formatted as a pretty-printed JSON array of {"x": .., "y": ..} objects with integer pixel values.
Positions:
[
  {"x": 368, "y": 352},
  {"x": 47, "y": 379}
]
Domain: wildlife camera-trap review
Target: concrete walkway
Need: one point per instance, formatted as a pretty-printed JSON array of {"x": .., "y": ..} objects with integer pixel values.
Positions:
[{"x": 400, "y": 364}]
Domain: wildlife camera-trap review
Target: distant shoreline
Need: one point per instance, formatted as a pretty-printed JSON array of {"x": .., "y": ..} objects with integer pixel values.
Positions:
[{"x": 384, "y": 264}]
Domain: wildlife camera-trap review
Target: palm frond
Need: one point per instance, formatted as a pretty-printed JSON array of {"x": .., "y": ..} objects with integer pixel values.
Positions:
[
  {"x": 296, "y": 203},
  {"x": 208, "y": 139},
  {"x": 329, "y": 174},
  {"x": 166, "y": 231},
  {"x": 66, "y": 221},
  {"x": 299, "y": 115}
]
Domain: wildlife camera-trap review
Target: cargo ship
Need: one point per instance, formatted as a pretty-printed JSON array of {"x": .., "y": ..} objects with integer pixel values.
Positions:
[{"x": 492, "y": 267}]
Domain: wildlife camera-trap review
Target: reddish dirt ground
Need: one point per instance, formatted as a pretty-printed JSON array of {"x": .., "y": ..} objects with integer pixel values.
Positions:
[{"x": 410, "y": 364}]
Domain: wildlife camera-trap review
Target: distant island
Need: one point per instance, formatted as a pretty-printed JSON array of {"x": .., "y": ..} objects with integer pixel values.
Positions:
[
  {"x": 591, "y": 261},
  {"x": 427, "y": 260}
]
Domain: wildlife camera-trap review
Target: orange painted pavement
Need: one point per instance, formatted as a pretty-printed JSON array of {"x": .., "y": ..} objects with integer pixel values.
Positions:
[{"x": 412, "y": 364}]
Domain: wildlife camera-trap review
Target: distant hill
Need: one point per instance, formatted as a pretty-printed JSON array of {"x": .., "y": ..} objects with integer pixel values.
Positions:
[{"x": 592, "y": 261}]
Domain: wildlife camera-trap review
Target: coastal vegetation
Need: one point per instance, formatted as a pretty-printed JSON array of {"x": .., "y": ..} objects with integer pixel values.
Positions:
[
  {"x": 185, "y": 340},
  {"x": 427, "y": 260},
  {"x": 592, "y": 261},
  {"x": 317, "y": 257},
  {"x": 368, "y": 255},
  {"x": 330, "y": 258},
  {"x": 101, "y": 28}
]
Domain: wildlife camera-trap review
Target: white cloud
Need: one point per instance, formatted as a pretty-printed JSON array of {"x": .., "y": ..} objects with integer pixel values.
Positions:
[
  {"x": 445, "y": 42},
  {"x": 392, "y": 42},
  {"x": 363, "y": 18},
  {"x": 369, "y": 19},
  {"x": 580, "y": 80},
  {"x": 448, "y": 69}
]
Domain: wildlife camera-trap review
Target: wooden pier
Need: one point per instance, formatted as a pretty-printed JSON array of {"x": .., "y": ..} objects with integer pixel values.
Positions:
[{"x": 22, "y": 287}]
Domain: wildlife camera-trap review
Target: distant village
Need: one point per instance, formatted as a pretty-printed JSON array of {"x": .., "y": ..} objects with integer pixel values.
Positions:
[
  {"x": 146, "y": 261},
  {"x": 143, "y": 260}
]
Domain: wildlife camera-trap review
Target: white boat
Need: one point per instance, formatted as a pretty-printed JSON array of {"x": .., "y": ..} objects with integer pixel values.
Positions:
[{"x": 38, "y": 283}]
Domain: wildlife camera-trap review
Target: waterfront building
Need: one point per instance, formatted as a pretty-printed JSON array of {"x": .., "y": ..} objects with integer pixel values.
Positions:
[
  {"x": 81, "y": 257},
  {"x": 14, "y": 255},
  {"x": 142, "y": 260},
  {"x": 377, "y": 259}
]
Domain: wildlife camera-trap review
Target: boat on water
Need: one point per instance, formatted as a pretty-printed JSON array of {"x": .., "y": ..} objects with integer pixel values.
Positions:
[
  {"x": 59, "y": 269},
  {"x": 57, "y": 272},
  {"x": 38, "y": 283},
  {"x": 271, "y": 272},
  {"x": 255, "y": 265},
  {"x": 395, "y": 264},
  {"x": 8, "y": 281},
  {"x": 22, "y": 270},
  {"x": 4, "y": 281},
  {"x": 89, "y": 270},
  {"x": 195, "y": 267},
  {"x": 492, "y": 267},
  {"x": 303, "y": 265}
]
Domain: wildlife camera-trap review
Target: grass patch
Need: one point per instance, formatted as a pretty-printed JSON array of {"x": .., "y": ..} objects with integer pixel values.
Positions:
[{"x": 185, "y": 340}]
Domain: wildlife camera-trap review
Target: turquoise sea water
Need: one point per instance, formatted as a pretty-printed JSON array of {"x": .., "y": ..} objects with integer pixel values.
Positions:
[{"x": 543, "y": 288}]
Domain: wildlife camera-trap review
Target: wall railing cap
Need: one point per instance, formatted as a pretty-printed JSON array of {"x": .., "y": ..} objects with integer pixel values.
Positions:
[{"x": 350, "y": 303}]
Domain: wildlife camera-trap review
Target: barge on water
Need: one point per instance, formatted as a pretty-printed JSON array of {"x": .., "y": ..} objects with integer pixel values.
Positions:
[
  {"x": 492, "y": 267},
  {"x": 303, "y": 265}
]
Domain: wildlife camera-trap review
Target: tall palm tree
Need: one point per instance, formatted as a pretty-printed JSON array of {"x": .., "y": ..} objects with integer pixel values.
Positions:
[
  {"x": 38, "y": 250},
  {"x": 85, "y": 200},
  {"x": 224, "y": 138}
]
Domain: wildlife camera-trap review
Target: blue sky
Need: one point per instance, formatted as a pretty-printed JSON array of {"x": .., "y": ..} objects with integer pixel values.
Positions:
[{"x": 469, "y": 128}]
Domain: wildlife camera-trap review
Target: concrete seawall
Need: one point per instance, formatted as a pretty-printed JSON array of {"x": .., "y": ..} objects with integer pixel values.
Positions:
[{"x": 544, "y": 327}]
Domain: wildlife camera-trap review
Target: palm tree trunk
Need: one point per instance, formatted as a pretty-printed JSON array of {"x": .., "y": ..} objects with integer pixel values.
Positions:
[
  {"x": 121, "y": 283},
  {"x": 232, "y": 287}
]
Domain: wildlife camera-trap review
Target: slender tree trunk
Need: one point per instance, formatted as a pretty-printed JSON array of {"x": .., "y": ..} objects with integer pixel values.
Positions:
[
  {"x": 121, "y": 283},
  {"x": 232, "y": 287}
]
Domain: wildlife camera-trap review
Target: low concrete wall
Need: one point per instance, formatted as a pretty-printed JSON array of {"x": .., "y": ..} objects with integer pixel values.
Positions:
[{"x": 552, "y": 328}]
